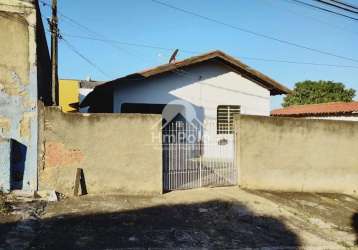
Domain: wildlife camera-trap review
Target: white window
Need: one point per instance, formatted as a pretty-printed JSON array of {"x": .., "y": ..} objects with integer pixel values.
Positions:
[{"x": 225, "y": 118}]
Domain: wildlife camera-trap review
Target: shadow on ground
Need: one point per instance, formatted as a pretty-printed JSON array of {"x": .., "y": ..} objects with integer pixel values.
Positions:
[{"x": 214, "y": 224}]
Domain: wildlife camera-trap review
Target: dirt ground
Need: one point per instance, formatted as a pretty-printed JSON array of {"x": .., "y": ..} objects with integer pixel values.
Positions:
[{"x": 216, "y": 218}]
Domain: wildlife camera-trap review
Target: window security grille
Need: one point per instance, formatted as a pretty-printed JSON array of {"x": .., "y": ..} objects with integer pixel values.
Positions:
[{"x": 225, "y": 118}]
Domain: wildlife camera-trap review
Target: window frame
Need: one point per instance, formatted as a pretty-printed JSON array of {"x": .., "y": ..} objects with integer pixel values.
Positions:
[{"x": 225, "y": 114}]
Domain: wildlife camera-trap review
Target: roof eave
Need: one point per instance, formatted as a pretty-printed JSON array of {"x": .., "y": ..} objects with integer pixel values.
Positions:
[
  {"x": 273, "y": 86},
  {"x": 315, "y": 114}
]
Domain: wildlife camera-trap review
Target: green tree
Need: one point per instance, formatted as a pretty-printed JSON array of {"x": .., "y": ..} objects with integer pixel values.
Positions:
[{"x": 311, "y": 92}]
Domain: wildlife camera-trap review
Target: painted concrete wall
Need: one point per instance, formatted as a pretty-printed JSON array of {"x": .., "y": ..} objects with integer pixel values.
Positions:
[
  {"x": 5, "y": 164},
  {"x": 19, "y": 81},
  {"x": 337, "y": 118},
  {"x": 205, "y": 86},
  {"x": 68, "y": 93},
  {"x": 119, "y": 153},
  {"x": 290, "y": 154}
]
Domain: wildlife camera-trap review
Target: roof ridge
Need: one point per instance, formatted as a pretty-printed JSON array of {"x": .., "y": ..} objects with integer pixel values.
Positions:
[{"x": 272, "y": 85}]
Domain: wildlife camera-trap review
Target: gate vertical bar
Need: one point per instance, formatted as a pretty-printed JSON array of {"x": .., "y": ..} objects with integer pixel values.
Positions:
[{"x": 200, "y": 158}]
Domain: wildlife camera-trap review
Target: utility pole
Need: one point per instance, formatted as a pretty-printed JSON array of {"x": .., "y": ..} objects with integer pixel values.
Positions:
[{"x": 54, "y": 53}]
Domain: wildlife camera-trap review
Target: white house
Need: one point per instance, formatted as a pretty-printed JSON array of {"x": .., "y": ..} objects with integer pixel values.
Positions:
[
  {"x": 207, "y": 82},
  {"x": 214, "y": 86}
]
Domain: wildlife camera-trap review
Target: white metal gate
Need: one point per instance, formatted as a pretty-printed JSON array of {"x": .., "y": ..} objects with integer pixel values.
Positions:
[{"x": 198, "y": 156}]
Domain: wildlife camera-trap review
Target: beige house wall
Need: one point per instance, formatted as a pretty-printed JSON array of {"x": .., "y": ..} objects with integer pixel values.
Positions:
[
  {"x": 24, "y": 71},
  {"x": 288, "y": 154},
  {"x": 119, "y": 153}
]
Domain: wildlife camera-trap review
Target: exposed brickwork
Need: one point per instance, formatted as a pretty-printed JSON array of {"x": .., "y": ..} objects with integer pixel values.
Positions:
[{"x": 57, "y": 155}]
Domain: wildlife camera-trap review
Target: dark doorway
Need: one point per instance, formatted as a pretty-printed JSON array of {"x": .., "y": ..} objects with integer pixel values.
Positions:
[{"x": 17, "y": 164}]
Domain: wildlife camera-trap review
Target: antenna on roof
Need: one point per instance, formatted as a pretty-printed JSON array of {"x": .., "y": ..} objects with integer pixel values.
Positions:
[{"x": 173, "y": 57}]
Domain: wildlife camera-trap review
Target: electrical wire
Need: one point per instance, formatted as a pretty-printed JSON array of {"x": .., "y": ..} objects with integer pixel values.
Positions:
[
  {"x": 323, "y": 9},
  {"x": 345, "y": 4},
  {"x": 112, "y": 43},
  {"x": 191, "y": 76},
  {"x": 305, "y": 15},
  {"x": 198, "y": 52},
  {"x": 296, "y": 62},
  {"x": 131, "y": 44},
  {"x": 88, "y": 30},
  {"x": 84, "y": 27},
  {"x": 74, "y": 49},
  {"x": 337, "y": 6},
  {"x": 210, "y": 19},
  {"x": 254, "y": 32}
]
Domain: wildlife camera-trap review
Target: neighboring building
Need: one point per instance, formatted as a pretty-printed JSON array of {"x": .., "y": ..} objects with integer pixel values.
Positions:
[
  {"x": 86, "y": 87},
  {"x": 72, "y": 92},
  {"x": 215, "y": 85},
  {"x": 345, "y": 111},
  {"x": 24, "y": 79},
  {"x": 68, "y": 95}
]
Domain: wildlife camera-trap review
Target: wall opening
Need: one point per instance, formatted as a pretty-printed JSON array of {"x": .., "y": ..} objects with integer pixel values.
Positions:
[{"x": 17, "y": 164}]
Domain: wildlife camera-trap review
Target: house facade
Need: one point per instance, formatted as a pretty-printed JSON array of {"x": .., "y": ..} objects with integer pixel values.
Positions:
[
  {"x": 206, "y": 81},
  {"x": 210, "y": 88}
]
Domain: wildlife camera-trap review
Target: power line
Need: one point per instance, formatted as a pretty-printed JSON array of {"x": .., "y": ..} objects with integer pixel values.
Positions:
[
  {"x": 217, "y": 21},
  {"x": 297, "y": 13},
  {"x": 112, "y": 43},
  {"x": 132, "y": 44},
  {"x": 184, "y": 73},
  {"x": 91, "y": 31},
  {"x": 345, "y": 4},
  {"x": 253, "y": 32},
  {"x": 74, "y": 49},
  {"x": 73, "y": 20},
  {"x": 79, "y": 24},
  {"x": 198, "y": 52},
  {"x": 323, "y": 9},
  {"x": 296, "y": 62},
  {"x": 337, "y": 6},
  {"x": 88, "y": 30}
]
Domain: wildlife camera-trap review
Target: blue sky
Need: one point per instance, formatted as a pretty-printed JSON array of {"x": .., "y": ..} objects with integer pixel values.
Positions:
[{"x": 145, "y": 22}]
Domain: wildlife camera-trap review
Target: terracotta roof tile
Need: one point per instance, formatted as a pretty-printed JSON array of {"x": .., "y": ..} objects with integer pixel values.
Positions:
[
  {"x": 267, "y": 82},
  {"x": 332, "y": 108}
]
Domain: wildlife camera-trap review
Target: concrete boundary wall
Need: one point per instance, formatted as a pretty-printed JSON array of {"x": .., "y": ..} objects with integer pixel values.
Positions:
[
  {"x": 119, "y": 153},
  {"x": 287, "y": 154},
  {"x": 5, "y": 157}
]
